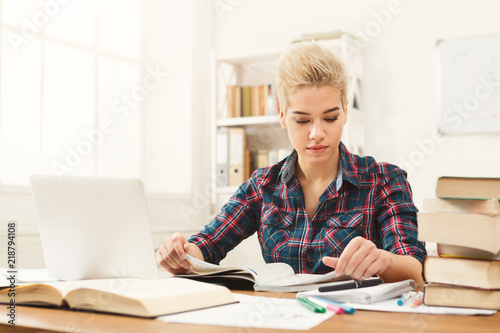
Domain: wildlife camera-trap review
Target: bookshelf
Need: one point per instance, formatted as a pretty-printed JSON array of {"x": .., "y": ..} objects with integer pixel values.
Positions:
[{"x": 263, "y": 132}]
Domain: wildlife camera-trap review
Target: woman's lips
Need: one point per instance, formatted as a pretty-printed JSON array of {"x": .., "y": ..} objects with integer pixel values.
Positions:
[{"x": 317, "y": 149}]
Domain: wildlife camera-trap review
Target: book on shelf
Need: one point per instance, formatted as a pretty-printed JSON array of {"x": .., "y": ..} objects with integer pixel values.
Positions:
[
  {"x": 468, "y": 188},
  {"x": 277, "y": 277},
  {"x": 475, "y": 273},
  {"x": 366, "y": 295},
  {"x": 490, "y": 207},
  {"x": 134, "y": 297},
  {"x": 475, "y": 231},
  {"x": 247, "y": 101},
  {"x": 230, "y": 98},
  {"x": 261, "y": 158},
  {"x": 437, "y": 294}
]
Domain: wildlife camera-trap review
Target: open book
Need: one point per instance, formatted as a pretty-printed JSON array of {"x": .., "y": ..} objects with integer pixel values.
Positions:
[
  {"x": 135, "y": 297},
  {"x": 278, "y": 277},
  {"x": 366, "y": 295}
]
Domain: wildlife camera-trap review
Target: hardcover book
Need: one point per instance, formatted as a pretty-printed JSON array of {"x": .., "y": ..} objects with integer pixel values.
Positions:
[{"x": 134, "y": 297}]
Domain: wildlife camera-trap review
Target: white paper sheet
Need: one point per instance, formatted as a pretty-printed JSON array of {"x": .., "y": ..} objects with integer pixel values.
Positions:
[{"x": 255, "y": 312}]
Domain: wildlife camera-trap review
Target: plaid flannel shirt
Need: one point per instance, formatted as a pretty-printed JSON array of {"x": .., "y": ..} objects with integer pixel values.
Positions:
[{"x": 374, "y": 202}]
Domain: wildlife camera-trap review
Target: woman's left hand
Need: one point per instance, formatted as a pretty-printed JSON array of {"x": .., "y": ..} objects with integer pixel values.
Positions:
[{"x": 360, "y": 259}]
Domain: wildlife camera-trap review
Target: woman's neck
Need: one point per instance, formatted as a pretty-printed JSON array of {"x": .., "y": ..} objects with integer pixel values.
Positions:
[{"x": 314, "y": 173}]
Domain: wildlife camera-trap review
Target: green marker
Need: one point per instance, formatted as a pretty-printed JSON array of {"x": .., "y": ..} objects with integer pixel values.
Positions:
[{"x": 311, "y": 305}]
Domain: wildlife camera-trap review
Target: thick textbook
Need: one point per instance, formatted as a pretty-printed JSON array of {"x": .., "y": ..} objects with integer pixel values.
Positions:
[
  {"x": 464, "y": 272},
  {"x": 468, "y": 188},
  {"x": 134, "y": 297},
  {"x": 461, "y": 297},
  {"x": 490, "y": 207},
  {"x": 456, "y": 251},
  {"x": 365, "y": 295},
  {"x": 475, "y": 231},
  {"x": 278, "y": 277}
]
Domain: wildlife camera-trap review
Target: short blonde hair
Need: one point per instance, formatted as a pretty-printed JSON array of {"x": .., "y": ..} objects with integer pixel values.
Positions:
[{"x": 310, "y": 64}]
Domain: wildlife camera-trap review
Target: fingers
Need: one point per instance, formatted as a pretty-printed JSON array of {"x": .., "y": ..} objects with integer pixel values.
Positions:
[
  {"x": 193, "y": 250},
  {"x": 360, "y": 259},
  {"x": 171, "y": 255},
  {"x": 330, "y": 261},
  {"x": 344, "y": 264}
]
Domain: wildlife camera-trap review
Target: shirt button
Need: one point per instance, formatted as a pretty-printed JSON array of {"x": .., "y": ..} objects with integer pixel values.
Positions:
[
  {"x": 304, "y": 249},
  {"x": 276, "y": 219}
]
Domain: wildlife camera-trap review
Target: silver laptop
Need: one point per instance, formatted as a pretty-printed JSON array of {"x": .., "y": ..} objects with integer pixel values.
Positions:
[{"x": 93, "y": 227}]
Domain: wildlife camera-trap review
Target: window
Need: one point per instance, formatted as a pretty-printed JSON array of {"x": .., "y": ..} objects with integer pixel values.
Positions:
[{"x": 69, "y": 73}]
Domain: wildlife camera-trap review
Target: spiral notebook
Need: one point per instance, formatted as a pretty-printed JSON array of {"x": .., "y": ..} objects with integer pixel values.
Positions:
[{"x": 365, "y": 295}]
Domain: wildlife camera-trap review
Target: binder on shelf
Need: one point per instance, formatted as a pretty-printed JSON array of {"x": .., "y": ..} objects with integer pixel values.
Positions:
[
  {"x": 222, "y": 156},
  {"x": 237, "y": 147}
]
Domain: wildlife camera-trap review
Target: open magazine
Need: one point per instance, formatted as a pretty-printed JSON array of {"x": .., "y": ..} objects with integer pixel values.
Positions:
[{"x": 278, "y": 277}]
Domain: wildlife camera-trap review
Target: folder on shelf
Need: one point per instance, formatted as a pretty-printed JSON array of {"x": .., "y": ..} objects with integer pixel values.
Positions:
[
  {"x": 222, "y": 157},
  {"x": 236, "y": 156}
]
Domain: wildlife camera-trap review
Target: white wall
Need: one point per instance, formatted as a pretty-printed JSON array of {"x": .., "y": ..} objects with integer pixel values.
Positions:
[{"x": 399, "y": 85}]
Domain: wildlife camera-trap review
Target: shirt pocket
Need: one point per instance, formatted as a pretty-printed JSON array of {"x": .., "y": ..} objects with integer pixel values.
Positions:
[
  {"x": 275, "y": 230},
  {"x": 341, "y": 228}
]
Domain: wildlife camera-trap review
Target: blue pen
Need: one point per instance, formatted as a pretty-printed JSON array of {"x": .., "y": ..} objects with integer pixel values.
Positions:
[
  {"x": 403, "y": 299},
  {"x": 347, "y": 309}
]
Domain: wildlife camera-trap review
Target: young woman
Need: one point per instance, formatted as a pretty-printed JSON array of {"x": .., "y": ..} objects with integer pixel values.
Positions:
[{"x": 321, "y": 208}]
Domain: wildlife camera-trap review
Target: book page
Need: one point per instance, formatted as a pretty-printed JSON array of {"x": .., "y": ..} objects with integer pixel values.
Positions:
[
  {"x": 133, "y": 288},
  {"x": 262, "y": 273}
]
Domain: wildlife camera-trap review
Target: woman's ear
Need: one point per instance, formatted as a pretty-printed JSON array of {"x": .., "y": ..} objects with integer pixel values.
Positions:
[
  {"x": 282, "y": 115},
  {"x": 346, "y": 113}
]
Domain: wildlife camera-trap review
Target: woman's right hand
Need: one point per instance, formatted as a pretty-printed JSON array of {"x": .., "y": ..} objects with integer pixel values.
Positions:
[{"x": 172, "y": 254}]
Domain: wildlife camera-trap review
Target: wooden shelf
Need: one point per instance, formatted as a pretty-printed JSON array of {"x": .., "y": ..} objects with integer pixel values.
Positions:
[{"x": 242, "y": 59}]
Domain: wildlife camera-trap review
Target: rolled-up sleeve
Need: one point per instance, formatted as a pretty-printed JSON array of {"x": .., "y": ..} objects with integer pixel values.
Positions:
[
  {"x": 234, "y": 223},
  {"x": 397, "y": 216}
]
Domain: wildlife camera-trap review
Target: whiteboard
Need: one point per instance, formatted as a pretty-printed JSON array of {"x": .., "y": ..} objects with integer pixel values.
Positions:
[{"x": 469, "y": 84}]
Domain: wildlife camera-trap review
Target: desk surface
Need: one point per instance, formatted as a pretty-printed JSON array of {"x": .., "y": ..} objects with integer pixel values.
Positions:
[{"x": 32, "y": 319}]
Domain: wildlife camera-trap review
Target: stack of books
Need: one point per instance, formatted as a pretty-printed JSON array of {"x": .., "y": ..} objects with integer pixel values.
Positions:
[{"x": 464, "y": 222}]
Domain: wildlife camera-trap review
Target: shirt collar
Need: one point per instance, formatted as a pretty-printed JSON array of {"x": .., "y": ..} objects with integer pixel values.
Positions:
[{"x": 347, "y": 170}]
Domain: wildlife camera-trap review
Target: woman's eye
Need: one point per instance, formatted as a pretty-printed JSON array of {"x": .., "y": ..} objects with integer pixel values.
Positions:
[
  {"x": 298, "y": 121},
  {"x": 331, "y": 120}
]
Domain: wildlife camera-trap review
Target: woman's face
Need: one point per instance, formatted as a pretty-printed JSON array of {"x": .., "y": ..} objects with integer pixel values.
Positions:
[{"x": 314, "y": 119}]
